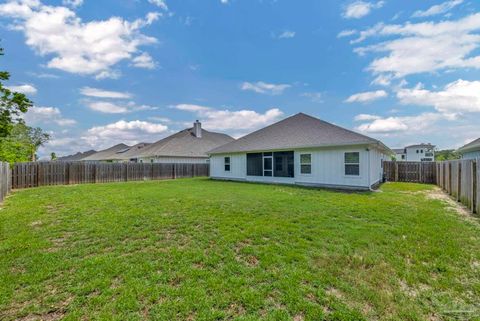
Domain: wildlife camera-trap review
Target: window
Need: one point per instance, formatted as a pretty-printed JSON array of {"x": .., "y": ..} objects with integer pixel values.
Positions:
[
  {"x": 403, "y": 156},
  {"x": 283, "y": 164},
  {"x": 421, "y": 151},
  {"x": 227, "y": 164},
  {"x": 352, "y": 164},
  {"x": 417, "y": 151},
  {"x": 306, "y": 163}
]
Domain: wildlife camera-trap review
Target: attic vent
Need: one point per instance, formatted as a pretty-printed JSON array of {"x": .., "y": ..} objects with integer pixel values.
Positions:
[{"x": 197, "y": 129}]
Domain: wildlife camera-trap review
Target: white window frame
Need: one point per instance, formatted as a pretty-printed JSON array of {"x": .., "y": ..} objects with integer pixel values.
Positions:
[
  {"x": 309, "y": 163},
  {"x": 229, "y": 164},
  {"x": 345, "y": 164},
  {"x": 263, "y": 164}
]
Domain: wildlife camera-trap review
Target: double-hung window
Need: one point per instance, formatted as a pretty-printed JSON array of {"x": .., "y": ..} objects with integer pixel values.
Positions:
[
  {"x": 305, "y": 163},
  {"x": 352, "y": 164},
  {"x": 226, "y": 161}
]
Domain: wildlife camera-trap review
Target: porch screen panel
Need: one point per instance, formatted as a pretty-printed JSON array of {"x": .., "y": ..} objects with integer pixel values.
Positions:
[
  {"x": 284, "y": 164},
  {"x": 254, "y": 164}
]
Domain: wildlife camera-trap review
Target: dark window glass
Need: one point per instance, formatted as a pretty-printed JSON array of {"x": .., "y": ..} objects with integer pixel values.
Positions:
[
  {"x": 284, "y": 164},
  {"x": 352, "y": 170},
  {"x": 306, "y": 169},
  {"x": 353, "y": 157},
  {"x": 352, "y": 163},
  {"x": 227, "y": 164},
  {"x": 267, "y": 164},
  {"x": 267, "y": 173},
  {"x": 267, "y": 154},
  {"x": 254, "y": 164}
]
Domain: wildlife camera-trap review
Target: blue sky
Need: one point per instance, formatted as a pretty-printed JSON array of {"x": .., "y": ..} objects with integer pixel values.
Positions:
[{"x": 104, "y": 72}]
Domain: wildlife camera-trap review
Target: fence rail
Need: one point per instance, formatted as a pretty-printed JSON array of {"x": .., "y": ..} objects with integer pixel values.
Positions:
[
  {"x": 25, "y": 175},
  {"x": 5, "y": 184}
]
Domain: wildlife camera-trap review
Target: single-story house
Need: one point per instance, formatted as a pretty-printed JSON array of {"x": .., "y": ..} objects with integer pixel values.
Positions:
[
  {"x": 302, "y": 150},
  {"x": 187, "y": 146},
  {"x": 470, "y": 150},
  {"x": 107, "y": 155}
]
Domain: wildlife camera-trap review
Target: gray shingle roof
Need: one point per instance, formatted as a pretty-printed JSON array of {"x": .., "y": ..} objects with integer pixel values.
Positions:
[
  {"x": 185, "y": 144},
  {"x": 472, "y": 146},
  {"x": 399, "y": 150},
  {"x": 76, "y": 157},
  {"x": 132, "y": 152},
  {"x": 106, "y": 154},
  {"x": 298, "y": 131},
  {"x": 421, "y": 145}
]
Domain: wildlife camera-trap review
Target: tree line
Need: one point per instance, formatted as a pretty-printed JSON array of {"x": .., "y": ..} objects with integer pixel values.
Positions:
[{"x": 18, "y": 141}]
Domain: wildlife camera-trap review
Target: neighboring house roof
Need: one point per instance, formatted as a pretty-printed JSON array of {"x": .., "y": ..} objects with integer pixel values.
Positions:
[
  {"x": 106, "y": 154},
  {"x": 186, "y": 144},
  {"x": 472, "y": 146},
  {"x": 399, "y": 150},
  {"x": 421, "y": 145},
  {"x": 76, "y": 157},
  {"x": 298, "y": 131},
  {"x": 130, "y": 152}
]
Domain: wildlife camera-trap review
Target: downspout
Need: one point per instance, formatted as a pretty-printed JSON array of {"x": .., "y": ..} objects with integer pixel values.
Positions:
[{"x": 369, "y": 178}]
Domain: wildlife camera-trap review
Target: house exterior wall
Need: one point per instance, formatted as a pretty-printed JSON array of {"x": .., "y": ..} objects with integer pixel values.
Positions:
[
  {"x": 471, "y": 155},
  {"x": 174, "y": 160},
  {"x": 413, "y": 156},
  {"x": 328, "y": 168}
]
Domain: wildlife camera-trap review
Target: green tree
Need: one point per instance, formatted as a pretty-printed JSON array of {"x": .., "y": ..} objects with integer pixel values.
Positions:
[
  {"x": 22, "y": 144},
  {"x": 12, "y": 105},
  {"x": 53, "y": 156},
  {"x": 447, "y": 154}
]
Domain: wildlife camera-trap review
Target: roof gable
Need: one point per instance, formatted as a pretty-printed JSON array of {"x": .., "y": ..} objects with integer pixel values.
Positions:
[{"x": 298, "y": 131}]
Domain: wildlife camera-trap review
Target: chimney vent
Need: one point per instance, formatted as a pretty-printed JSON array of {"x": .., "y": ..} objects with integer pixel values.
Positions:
[{"x": 197, "y": 129}]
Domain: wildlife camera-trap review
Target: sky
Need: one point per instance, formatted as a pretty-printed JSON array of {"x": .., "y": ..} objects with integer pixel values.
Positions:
[{"x": 111, "y": 71}]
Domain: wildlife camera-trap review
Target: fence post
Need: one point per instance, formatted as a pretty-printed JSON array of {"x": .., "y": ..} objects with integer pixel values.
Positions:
[
  {"x": 474, "y": 184},
  {"x": 459, "y": 181},
  {"x": 396, "y": 171}
]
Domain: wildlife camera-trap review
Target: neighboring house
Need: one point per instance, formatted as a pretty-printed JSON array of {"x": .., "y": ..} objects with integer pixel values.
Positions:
[
  {"x": 471, "y": 150},
  {"x": 129, "y": 154},
  {"x": 76, "y": 157},
  {"x": 187, "y": 146},
  {"x": 107, "y": 155},
  {"x": 302, "y": 150},
  {"x": 416, "y": 153}
]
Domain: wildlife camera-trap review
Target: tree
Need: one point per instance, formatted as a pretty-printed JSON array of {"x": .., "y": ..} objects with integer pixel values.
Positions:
[
  {"x": 447, "y": 154},
  {"x": 22, "y": 143},
  {"x": 12, "y": 105},
  {"x": 53, "y": 156}
]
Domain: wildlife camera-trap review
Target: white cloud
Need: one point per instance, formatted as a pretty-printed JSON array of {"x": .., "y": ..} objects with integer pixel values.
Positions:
[
  {"x": 224, "y": 1},
  {"x": 261, "y": 87},
  {"x": 391, "y": 125},
  {"x": 437, "y": 9},
  {"x": 360, "y": 9},
  {"x": 367, "y": 97},
  {"x": 315, "y": 97},
  {"x": 423, "y": 47},
  {"x": 159, "y": 3},
  {"x": 100, "y": 93},
  {"x": 347, "y": 33},
  {"x": 460, "y": 96},
  {"x": 87, "y": 48},
  {"x": 46, "y": 115},
  {"x": 128, "y": 132},
  {"x": 239, "y": 121},
  {"x": 144, "y": 61},
  {"x": 72, "y": 3},
  {"x": 287, "y": 34},
  {"x": 108, "y": 107},
  {"x": 23, "y": 89},
  {"x": 362, "y": 117}
]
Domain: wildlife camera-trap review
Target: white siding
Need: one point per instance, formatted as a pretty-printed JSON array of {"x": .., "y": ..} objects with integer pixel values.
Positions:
[
  {"x": 471, "y": 155},
  {"x": 413, "y": 156},
  {"x": 176, "y": 160},
  {"x": 328, "y": 168},
  {"x": 238, "y": 166}
]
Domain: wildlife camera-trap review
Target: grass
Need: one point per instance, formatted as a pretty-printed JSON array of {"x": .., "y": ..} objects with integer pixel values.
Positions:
[{"x": 197, "y": 249}]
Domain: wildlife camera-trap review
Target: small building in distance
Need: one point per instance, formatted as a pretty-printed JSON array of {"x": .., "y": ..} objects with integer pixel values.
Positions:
[{"x": 415, "y": 153}]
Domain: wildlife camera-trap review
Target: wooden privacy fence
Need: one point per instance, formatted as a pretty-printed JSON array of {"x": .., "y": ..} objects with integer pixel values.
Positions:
[
  {"x": 413, "y": 172},
  {"x": 461, "y": 179},
  {"x": 5, "y": 184},
  {"x": 24, "y": 175}
]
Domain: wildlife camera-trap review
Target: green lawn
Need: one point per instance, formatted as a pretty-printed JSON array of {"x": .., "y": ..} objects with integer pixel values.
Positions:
[{"x": 196, "y": 249}]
